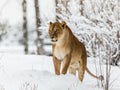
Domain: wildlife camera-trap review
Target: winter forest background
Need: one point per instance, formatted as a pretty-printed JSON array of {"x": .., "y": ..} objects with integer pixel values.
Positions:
[
  {"x": 24, "y": 25},
  {"x": 96, "y": 23}
]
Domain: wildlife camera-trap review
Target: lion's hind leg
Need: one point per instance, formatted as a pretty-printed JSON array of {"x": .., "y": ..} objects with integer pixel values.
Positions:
[{"x": 72, "y": 70}]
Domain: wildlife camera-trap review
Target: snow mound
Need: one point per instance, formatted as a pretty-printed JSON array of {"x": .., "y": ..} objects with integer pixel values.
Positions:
[
  {"x": 40, "y": 80},
  {"x": 33, "y": 72}
]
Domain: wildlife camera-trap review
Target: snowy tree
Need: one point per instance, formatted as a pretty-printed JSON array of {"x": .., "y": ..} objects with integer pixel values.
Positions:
[
  {"x": 96, "y": 23},
  {"x": 40, "y": 49},
  {"x": 3, "y": 29},
  {"x": 25, "y": 31}
]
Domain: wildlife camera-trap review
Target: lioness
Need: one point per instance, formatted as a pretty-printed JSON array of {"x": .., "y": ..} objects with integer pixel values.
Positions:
[{"x": 67, "y": 49}]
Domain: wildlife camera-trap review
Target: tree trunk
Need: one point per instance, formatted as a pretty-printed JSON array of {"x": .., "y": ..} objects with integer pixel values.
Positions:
[
  {"x": 118, "y": 39},
  {"x": 82, "y": 7},
  {"x": 25, "y": 31},
  {"x": 56, "y": 2},
  {"x": 40, "y": 49}
]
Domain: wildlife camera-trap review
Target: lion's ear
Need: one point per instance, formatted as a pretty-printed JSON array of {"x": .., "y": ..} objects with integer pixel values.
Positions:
[
  {"x": 63, "y": 24},
  {"x": 50, "y": 23}
]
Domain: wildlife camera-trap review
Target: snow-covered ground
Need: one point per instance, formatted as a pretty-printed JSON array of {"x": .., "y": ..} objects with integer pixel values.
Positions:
[{"x": 33, "y": 72}]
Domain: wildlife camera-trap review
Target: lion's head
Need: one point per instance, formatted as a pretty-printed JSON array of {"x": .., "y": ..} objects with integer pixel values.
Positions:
[{"x": 56, "y": 30}]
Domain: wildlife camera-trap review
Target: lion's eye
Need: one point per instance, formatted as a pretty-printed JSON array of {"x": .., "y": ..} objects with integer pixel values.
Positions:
[
  {"x": 57, "y": 31},
  {"x": 50, "y": 31}
]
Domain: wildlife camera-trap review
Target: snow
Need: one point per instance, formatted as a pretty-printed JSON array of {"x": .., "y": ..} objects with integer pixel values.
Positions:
[{"x": 34, "y": 72}]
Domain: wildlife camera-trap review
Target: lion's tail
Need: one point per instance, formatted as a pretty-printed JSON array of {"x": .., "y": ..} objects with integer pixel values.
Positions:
[{"x": 98, "y": 77}]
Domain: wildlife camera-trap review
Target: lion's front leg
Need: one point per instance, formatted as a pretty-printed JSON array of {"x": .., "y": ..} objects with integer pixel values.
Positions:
[
  {"x": 57, "y": 64},
  {"x": 66, "y": 62}
]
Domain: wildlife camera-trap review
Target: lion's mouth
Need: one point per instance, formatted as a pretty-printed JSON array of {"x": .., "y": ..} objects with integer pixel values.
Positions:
[{"x": 54, "y": 40}]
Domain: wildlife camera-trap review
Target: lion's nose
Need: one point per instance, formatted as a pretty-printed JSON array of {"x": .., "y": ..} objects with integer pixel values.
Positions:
[{"x": 52, "y": 37}]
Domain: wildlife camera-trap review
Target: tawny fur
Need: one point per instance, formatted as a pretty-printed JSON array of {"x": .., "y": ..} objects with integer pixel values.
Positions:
[{"x": 68, "y": 50}]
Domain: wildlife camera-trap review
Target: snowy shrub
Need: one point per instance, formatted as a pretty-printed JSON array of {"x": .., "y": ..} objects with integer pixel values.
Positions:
[
  {"x": 28, "y": 86},
  {"x": 3, "y": 28},
  {"x": 98, "y": 26}
]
